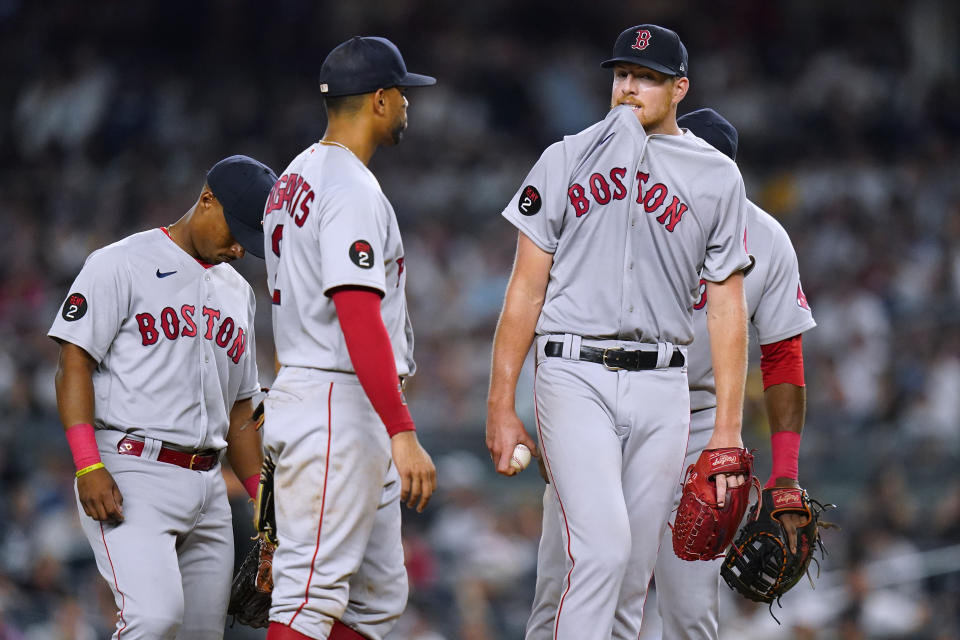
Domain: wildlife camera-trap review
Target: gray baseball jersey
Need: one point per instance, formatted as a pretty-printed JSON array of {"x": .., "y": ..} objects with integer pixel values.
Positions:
[
  {"x": 327, "y": 224},
  {"x": 776, "y": 305},
  {"x": 173, "y": 339},
  {"x": 174, "y": 343},
  {"x": 679, "y": 211}
]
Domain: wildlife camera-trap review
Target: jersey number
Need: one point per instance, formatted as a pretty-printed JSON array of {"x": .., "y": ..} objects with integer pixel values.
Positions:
[{"x": 275, "y": 239}]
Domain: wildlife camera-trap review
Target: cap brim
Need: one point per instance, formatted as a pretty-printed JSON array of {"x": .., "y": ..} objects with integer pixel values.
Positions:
[
  {"x": 250, "y": 238},
  {"x": 416, "y": 80},
  {"x": 649, "y": 64}
]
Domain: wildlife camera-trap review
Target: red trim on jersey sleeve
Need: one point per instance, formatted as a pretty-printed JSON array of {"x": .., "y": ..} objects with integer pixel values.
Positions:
[
  {"x": 372, "y": 355},
  {"x": 782, "y": 362},
  {"x": 205, "y": 265}
]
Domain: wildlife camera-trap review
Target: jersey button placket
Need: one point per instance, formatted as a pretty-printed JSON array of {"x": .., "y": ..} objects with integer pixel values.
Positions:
[
  {"x": 627, "y": 288},
  {"x": 204, "y": 346}
]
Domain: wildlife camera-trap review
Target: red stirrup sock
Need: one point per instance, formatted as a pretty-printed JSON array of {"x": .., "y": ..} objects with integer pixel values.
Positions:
[
  {"x": 341, "y": 631},
  {"x": 279, "y": 631}
]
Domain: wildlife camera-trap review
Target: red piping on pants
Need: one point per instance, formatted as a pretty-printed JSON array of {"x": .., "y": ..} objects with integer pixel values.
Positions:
[
  {"x": 323, "y": 502},
  {"x": 546, "y": 461},
  {"x": 123, "y": 598}
]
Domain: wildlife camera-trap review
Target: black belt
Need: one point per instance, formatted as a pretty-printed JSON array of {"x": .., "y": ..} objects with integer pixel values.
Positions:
[{"x": 616, "y": 358}]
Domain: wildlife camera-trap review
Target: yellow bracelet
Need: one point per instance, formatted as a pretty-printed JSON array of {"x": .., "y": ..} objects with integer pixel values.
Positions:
[{"x": 87, "y": 470}]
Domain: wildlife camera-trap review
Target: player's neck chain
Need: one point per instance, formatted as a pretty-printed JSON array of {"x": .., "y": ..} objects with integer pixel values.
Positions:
[{"x": 331, "y": 143}]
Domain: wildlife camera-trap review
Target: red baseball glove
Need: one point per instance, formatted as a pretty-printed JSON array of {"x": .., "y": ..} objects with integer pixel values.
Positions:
[{"x": 703, "y": 530}]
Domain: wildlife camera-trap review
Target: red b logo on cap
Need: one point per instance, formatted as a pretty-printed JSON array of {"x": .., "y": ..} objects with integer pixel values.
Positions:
[{"x": 643, "y": 39}]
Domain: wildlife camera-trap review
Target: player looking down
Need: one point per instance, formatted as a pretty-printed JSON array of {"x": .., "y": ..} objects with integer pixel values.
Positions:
[{"x": 157, "y": 368}]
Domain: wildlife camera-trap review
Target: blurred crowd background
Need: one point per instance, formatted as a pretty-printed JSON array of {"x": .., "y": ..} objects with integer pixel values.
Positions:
[{"x": 849, "y": 120}]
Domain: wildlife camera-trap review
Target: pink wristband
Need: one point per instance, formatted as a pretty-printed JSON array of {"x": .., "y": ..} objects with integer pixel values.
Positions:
[
  {"x": 785, "y": 451},
  {"x": 251, "y": 484},
  {"x": 83, "y": 445}
]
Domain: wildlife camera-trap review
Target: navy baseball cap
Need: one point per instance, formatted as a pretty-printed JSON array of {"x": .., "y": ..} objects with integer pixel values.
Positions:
[
  {"x": 242, "y": 186},
  {"x": 651, "y": 46},
  {"x": 714, "y": 128},
  {"x": 365, "y": 64}
]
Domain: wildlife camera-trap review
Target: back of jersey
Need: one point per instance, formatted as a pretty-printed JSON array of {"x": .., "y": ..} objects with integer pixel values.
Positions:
[{"x": 326, "y": 225}]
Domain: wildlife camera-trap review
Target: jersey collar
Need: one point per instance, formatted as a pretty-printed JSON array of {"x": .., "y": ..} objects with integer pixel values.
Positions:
[{"x": 205, "y": 265}]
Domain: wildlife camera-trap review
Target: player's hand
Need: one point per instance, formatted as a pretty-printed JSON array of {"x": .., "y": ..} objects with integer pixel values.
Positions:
[
  {"x": 790, "y": 522},
  {"x": 504, "y": 432},
  {"x": 100, "y": 496},
  {"x": 418, "y": 476},
  {"x": 725, "y": 480}
]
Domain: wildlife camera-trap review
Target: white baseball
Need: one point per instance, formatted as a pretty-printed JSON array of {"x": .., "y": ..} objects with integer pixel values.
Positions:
[{"x": 521, "y": 457}]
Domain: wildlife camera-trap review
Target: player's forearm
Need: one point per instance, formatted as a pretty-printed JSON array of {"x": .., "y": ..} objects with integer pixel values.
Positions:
[
  {"x": 74, "y": 385},
  {"x": 518, "y": 321},
  {"x": 371, "y": 353},
  {"x": 244, "y": 451},
  {"x": 727, "y": 324},
  {"x": 514, "y": 335},
  {"x": 786, "y": 407},
  {"x": 75, "y": 398}
]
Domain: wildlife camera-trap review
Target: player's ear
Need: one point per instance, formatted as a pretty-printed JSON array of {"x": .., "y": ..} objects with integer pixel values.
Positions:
[
  {"x": 680, "y": 88},
  {"x": 206, "y": 197},
  {"x": 379, "y": 101}
]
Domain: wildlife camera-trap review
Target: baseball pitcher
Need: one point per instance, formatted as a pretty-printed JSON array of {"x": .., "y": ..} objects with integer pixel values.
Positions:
[{"x": 617, "y": 226}]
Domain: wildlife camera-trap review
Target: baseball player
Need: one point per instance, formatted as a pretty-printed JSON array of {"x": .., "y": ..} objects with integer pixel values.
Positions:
[
  {"x": 157, "y": 368},
  {"x": 687, "y": 596},
  {"x": 337, "y": 424},
  {"x": 617, "y": 226}
]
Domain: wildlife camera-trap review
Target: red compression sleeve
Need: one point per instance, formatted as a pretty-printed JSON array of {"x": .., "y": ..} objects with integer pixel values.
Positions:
[
  {"x": 83, "y": 445},
  {"x": 782, "y": 362},
  {"x": 372, "y": 355},
  {"x": 784, "y": 451},
  {"x": 251, "y": 484}
]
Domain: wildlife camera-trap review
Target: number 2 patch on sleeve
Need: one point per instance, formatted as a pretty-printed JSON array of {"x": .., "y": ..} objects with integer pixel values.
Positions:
[
  {"x": 361, "y": 253},
  {"x": 74, "y": 307},
  {"x": 530, "y": 201}
]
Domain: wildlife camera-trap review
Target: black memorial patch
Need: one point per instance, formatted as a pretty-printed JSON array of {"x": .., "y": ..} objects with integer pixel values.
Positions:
[
  {"x": 74, "y": 307},
  {"x": 361, "y": 253},
  {"x": 530, "y": 201}
]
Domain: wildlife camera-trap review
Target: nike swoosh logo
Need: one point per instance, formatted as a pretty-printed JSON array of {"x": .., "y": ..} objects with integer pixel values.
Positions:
[
  {"x": 164, "y": 274},
  {"x": 597, "y": 146}
]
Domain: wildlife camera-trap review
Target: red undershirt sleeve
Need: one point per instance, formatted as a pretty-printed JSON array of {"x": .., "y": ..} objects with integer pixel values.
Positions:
[
  {"x": 371, "y": 353},
  {"x": 782, "y": 362}
]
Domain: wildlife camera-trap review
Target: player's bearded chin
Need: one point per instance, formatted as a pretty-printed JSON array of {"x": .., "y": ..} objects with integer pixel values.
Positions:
[{"x": 397, "y": 132}]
